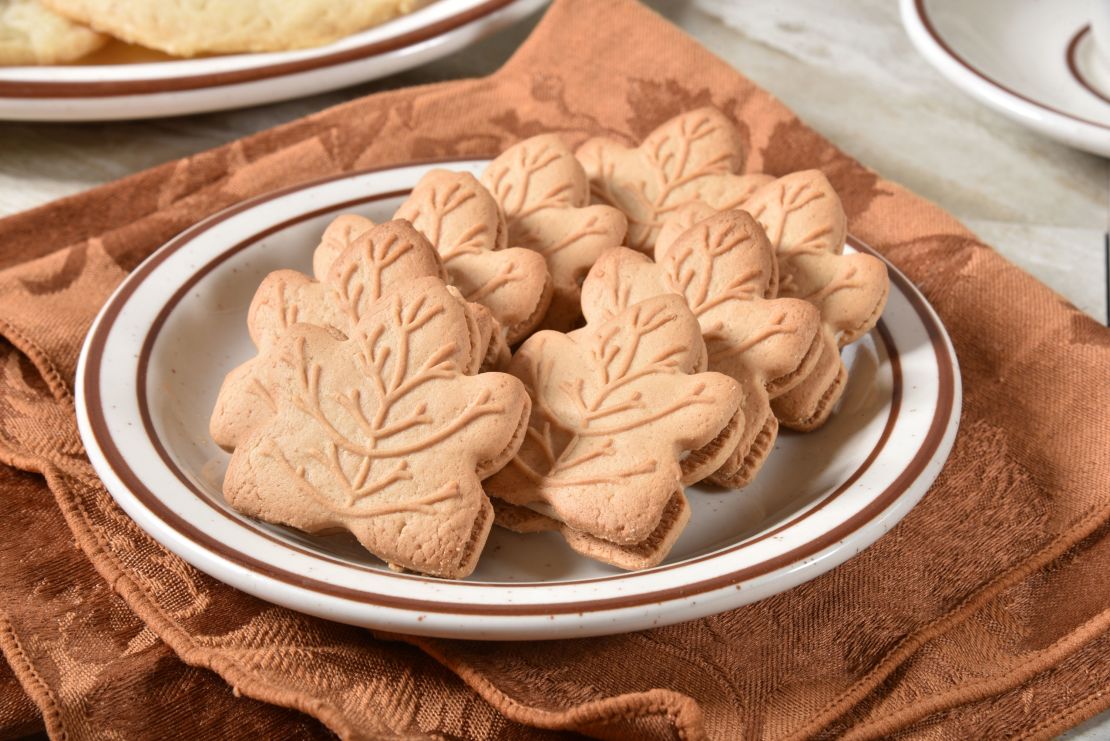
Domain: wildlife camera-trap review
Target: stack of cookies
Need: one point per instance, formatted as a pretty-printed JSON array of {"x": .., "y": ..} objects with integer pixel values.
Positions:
[{"x": 565, "y": 344}]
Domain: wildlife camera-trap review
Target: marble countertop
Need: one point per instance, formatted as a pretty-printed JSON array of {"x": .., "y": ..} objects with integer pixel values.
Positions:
[{"x": 1044, "y": 206}]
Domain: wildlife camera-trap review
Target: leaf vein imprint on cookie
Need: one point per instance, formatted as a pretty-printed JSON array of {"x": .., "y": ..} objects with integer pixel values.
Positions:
[
  {"x": 517, "y": 205},
  {"x": 614, "y": 368},
  {"x": 357, "y": 485}
]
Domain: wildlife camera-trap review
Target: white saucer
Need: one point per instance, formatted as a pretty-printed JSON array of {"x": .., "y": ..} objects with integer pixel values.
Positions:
[
  {"x": 1030, "y": 61},
  {"x": 154, "y": 360}
]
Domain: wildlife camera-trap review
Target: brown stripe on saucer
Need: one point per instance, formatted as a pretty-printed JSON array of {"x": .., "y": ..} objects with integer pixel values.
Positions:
[
  {"x": 932, "y": 31},
  {"x": 1072, "y": 57}
]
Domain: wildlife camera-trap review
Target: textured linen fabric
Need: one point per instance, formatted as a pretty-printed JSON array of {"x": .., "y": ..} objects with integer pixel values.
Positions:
[
  {"x": 19, "y": 716},
  {"x": 983, "y": 614}
]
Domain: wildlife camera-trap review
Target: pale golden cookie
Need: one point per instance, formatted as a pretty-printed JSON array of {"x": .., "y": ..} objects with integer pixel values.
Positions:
[
  {"x": 692, "y": 157},
  {"x": 725, "y": 269},
  {"x": 623, "y": 418},
  {"x": 32, "y": 34},
  {"x": 464, "y": 223},
  {"x": 383, "y": 432},
  {"x": 545, "y": 197},
  {"x": 186, "y": 28}
]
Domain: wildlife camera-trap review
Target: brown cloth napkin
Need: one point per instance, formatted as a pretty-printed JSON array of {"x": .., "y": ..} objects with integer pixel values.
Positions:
[{"x": 983, "y": 614}]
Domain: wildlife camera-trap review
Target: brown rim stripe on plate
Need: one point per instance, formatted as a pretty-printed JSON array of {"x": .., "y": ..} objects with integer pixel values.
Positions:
[
  {"x": 917, "y": 465},
  {"x": 165, "y": 513},
  {"x": 340, "y": 206},
  {"x": 109, "y": 88},
  {"x": 932, "y": 31},
  {"x": 1073, "y": 64}
]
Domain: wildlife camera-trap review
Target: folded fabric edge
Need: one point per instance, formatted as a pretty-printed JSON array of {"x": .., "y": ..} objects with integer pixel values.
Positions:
[
  {"x": 1085, "y": 708},
  {"x": 240, "y": 679},
  {"x": 1036, "y": 663},
  {"x": 976, "y": 600},
  {"x": 37, "y": 692},
  {"x": 681, "y": 711}
]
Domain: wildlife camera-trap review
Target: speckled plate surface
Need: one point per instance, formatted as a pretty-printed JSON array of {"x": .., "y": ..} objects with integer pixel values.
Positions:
[
  {"x": 126, "y": 82},
  {"x": 155, "y": 357}
]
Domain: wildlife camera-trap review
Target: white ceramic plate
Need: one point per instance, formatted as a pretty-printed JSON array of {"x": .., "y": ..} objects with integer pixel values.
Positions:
[
  {"x": 1033, "y": 62},
  {"x": 97, "y": 92},
  {"x": 155, "y": 357}
]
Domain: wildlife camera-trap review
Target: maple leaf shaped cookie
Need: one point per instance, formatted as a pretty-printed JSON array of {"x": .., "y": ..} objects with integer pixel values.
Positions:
[
  {"x": 545, "y": 196},
  {"x": 383, "y": 433},
  {"x": 372, "y": 261},
  {"x": 464, "y": 223},
  {"x": 692, "y": 157},
  {"x": 345, "y": 229},
  {"x": 623, "y": 417},
  {"x": 725, "y": 269},
  {"x": 804, "y": 220}
]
